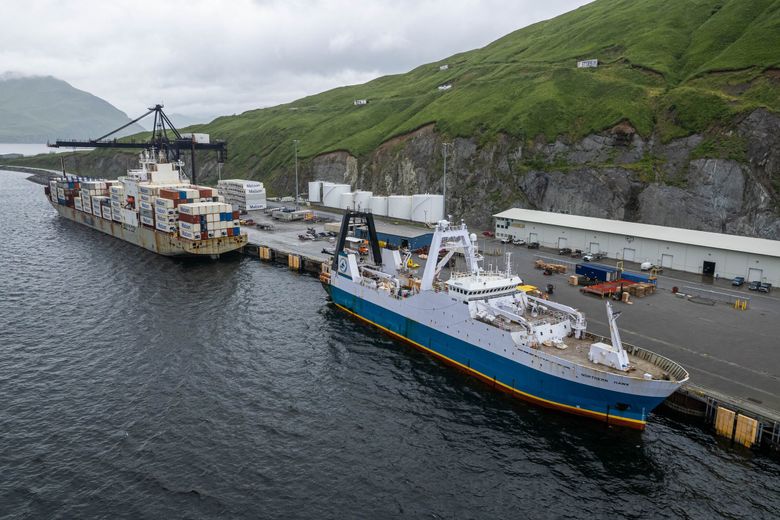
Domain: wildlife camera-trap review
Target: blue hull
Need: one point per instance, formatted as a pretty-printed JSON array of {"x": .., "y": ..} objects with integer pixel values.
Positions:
[{"x": 525, "y": 382}]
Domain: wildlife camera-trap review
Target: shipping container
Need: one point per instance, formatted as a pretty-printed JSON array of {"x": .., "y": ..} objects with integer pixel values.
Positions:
[{"x": 597, "y": 272}]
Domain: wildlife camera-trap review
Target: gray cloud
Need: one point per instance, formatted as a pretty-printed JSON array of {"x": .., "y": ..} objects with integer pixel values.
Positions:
[{"x": 207, "y": 58}]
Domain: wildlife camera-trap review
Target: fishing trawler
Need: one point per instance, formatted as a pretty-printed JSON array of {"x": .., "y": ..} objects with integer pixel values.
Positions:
[{"x": 478, "y": 320}]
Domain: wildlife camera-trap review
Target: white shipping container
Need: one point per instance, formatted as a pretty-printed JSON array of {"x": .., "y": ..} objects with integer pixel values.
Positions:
[
  {"x": 130, "y": 217},
  {"x": 188, "y": 235},
  {"x": 187, "y": 226},
  {"x": 188, "y": 209}
]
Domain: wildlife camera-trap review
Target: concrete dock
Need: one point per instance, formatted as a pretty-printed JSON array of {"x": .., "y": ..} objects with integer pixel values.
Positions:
[{"x": 733, "y": 356}]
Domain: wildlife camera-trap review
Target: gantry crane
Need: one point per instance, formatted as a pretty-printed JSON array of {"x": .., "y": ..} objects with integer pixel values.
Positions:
[{"x": 172, "y": 146}]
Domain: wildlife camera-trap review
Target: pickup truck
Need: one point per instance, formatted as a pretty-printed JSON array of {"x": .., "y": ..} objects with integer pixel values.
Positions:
[
  {"x": 765, "y": 287},
  {"x": 738, "y": 281},
  {"x": 590, "y": 257},
  {"x": 564, "y": 251}
]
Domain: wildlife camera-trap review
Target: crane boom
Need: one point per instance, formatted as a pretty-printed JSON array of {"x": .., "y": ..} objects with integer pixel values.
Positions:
[{"x": 172, "y": 146}]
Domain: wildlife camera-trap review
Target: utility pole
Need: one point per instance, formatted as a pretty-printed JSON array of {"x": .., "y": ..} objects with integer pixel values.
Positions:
[
  {"x": 444, "y": 190},
  {"x": 295, "y": 147}
]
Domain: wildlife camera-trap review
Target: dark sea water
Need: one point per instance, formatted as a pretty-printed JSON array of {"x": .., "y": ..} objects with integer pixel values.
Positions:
[{"x": 138, "y": 386}]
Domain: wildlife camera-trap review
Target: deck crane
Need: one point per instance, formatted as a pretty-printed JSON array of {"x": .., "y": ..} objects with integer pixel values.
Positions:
[{"x": 172, "y": 145}]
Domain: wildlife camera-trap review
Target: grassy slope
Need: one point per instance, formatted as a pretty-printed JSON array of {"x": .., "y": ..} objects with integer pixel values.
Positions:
[{"x": 662, "y": 68}]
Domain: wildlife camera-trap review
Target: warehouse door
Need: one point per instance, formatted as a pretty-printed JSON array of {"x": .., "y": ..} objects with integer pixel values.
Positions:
[
  {"x": 755, "y": 275},
  {"x": 594, "y": 247},
  {"x": 629, "y": 254},
  {"x": 561, "y": 242},
  {"x": 666, "y": 261},
  {"x": 708, "y": 269},
  {"x": 533, "y": 237}
]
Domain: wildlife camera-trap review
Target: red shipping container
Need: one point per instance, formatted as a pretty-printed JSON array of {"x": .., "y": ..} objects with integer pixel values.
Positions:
[
  {"x": 236, "y": 215},
  {"x": 204, "y": 193},
  {"x": 204, "y": 235},
  {"x": 230, "y": 232},
  {"x": 192, "y": 219},
  {"x": 169, "y": 194}
]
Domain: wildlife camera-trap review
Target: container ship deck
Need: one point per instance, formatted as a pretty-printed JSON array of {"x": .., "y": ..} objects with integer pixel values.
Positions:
[{"x": 152, "y": 207}]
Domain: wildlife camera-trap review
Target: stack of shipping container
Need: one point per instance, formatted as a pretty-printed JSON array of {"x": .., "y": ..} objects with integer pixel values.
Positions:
[
  {"x": 64, "y": 192},
  {"x": 189, "y": 211},
  {"x": 242, "y": 194},
  {"x": 204, "y": 220}
]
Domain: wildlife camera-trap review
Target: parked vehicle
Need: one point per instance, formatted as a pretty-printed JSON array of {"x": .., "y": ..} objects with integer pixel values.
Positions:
[
  {"x": 564, "y": 251},
  {"x": 576, "y": 253},
  {"x": 754, "y": 285},
  {"x": 506, "y": 240},
  {"x": 518, "y": 242},
  {"x": 765, "y": 287},
  {"x": 738, "y": 281},
  {"x": 533, "y": 245},
  {"x": 488, "y": 234},
  {"x": 590, "y": 257}
]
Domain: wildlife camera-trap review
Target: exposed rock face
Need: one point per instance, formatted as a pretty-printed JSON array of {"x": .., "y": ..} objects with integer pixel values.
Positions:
[{"x": 617, "y": 175}]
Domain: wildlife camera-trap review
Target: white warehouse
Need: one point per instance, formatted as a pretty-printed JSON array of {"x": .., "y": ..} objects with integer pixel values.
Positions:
[{"x": 712, "y": 254}]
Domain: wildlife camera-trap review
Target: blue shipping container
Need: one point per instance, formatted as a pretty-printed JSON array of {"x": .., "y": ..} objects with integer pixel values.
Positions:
[
  {"x": 597, "y": 272},
  {"x": 636, "y": 277}
]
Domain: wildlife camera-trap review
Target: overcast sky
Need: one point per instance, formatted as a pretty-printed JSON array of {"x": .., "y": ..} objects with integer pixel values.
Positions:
[{"x": 209, "y": 58}]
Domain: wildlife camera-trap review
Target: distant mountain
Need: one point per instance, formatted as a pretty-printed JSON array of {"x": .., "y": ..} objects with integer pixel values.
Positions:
[{"x": 37, "y": 109}]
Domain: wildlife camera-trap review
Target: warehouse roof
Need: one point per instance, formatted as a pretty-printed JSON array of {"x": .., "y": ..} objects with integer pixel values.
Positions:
[{"x": 759, "y": 246}]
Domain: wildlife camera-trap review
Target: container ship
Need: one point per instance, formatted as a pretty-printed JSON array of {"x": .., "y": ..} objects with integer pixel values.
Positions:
[
  {"x": 479, "y": 321},
  {"x": 153, "y": 207}
]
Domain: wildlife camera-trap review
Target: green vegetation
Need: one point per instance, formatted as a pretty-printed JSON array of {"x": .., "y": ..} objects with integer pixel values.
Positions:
[
  {"x": 673, "y": 67},
  {"x": 722, "y": 146}
]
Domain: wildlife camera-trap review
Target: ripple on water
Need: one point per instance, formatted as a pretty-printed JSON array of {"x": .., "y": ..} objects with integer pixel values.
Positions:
[{"x": 140, "y": 386}]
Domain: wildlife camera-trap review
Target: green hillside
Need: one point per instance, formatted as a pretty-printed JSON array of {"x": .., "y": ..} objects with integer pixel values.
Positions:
[
  {"x": 669, "y": 67},
  {"x": 37, "y": 109}
]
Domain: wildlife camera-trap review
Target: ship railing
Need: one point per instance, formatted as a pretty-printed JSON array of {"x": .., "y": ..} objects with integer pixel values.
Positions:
[{"x": 674, "y": 370}]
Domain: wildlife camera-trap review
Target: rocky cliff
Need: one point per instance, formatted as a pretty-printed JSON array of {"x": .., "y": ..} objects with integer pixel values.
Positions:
[
  {"x": 724, "y": 182},
  {"x": 727, "y": 181}
]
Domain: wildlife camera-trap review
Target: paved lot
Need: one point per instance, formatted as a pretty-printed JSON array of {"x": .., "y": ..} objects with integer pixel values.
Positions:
[{"x": 736, "y": 353}]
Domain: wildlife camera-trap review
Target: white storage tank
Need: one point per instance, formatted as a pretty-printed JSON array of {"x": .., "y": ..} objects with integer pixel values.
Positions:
[
  {"x": 347, "y": 200},
  {"x": 362, "y": 200},
  {"x": 331, "y": 195},
  {"x": 315, "y": 191},
  {"x": 378, "y": 205},
  {"x": 427, "y": 208},
  {"x": 399, "y": 206}
]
